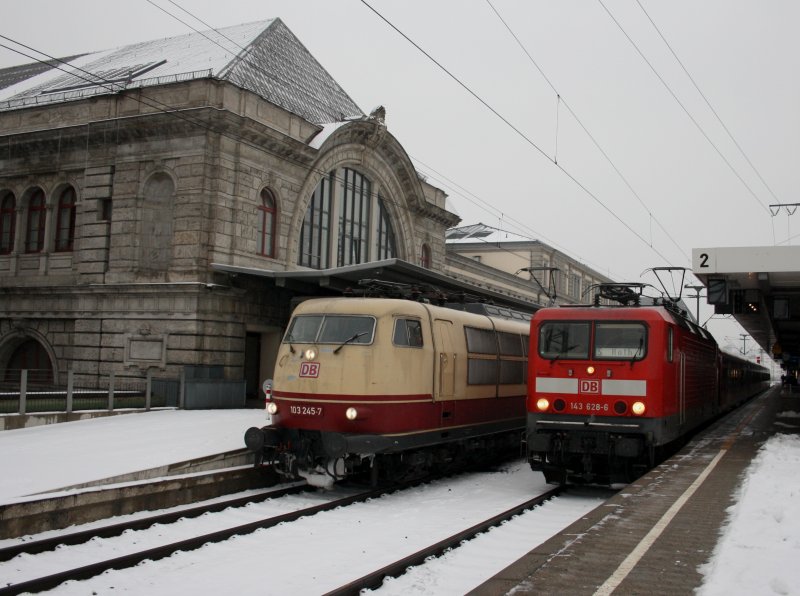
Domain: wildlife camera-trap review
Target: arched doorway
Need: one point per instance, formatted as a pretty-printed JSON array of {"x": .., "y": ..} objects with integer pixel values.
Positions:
[{"x": 30, "y": 355}]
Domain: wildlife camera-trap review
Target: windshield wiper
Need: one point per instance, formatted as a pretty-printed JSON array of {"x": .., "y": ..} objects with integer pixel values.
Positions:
[
  {"x": 639, "y": 349},
  {"x": 289, "y": 340},
  {"x": 348, "y": 340}
]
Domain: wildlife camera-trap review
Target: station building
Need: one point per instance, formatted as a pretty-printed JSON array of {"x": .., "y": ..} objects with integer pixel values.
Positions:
[{"x": 162, "y": 203}]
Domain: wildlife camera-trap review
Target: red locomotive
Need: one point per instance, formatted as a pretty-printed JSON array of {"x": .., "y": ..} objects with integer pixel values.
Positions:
[
  {"x": 391, "y": 387},
  {"x": 610, "y": 387}
]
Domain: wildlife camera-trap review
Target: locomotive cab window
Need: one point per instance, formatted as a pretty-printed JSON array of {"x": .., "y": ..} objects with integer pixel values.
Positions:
[
  {"x": 407, "y": 332},
  {"x": 331, "y": 329},
  {"x": 564, "y": 339},
  {"x": 620, "y": 341}
]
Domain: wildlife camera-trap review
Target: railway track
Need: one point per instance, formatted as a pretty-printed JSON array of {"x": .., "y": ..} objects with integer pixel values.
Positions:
[
  {"x": 133, "y": 559},
  {"x": 375, "y": 579}
]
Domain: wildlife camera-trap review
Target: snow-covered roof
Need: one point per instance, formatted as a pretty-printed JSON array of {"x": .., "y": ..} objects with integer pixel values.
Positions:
[{"x": 263, "y": 57}]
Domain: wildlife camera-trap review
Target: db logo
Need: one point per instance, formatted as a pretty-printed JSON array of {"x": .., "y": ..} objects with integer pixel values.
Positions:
[
  {"x": 589, "y": 386},
  {"x": 309, "y": 369}
]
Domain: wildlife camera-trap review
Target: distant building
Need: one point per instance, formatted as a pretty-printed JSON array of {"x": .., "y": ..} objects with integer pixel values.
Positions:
[
  {"x": 134, "y": 182},
  {"x": 529, "y": 269}
]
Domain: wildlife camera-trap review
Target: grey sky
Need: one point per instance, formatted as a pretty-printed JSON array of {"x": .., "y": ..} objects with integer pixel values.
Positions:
[{"x": 744, "y": 55}]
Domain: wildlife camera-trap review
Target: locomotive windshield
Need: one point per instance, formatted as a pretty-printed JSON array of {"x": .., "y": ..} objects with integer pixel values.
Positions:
[
  {"x": 564, "y": 339},
  {"x": 620, "y": 341},
  {"x": 613, "y": 340},
  {"x": 331, "y": 329}
]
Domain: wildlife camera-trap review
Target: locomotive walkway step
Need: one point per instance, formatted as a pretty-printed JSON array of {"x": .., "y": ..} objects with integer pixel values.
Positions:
[{"x": 658, "y": 530}]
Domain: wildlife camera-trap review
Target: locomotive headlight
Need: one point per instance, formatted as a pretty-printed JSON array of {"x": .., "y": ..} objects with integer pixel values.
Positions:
[
  {"x": 272, "y": 407},
  {"x": 542, "y": 404},
  {"x": 310, "y": 354},
  {"x": 638, "y": 408},
  {"x": 590, "y": 370},
  {"x": 351, "y": 413}
]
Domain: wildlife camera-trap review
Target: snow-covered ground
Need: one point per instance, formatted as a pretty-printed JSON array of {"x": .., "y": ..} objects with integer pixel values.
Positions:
[{"x": 756, "y": 554}]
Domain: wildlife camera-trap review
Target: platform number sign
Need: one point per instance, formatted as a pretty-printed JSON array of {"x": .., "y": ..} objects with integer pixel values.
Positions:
[
  {"x": 589, "y": 386},
  {"x": 309, "y": 369}
]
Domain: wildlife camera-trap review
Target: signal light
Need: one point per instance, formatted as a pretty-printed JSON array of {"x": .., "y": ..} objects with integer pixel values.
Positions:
[
  {"x": 590, "y": 370},
  {"x": 351, "y": 414},
  {"x": 272, "y": 407},
  {"x": 638, "y": 408},
  {"x": 542, "y": 404}
]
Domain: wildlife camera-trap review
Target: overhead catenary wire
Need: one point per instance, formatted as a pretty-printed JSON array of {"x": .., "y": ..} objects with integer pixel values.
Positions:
[
  {"x": 541, "y": 151},
  {"x": 561, "y": 100},
  {"x": 683, "y": 107}
]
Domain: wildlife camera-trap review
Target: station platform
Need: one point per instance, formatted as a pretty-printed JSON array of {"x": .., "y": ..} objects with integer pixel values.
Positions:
[{"x": 652, "y": 536}]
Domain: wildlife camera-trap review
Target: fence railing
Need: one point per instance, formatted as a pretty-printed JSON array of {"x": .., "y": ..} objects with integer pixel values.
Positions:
[{"x": 36, "y": 392}]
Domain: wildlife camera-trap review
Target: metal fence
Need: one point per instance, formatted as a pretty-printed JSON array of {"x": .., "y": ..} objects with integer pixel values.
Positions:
[{"x": 35, "y": 392}]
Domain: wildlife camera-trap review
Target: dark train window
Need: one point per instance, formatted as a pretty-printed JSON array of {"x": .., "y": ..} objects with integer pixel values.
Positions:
[
  {"x": 620, "y": 341},
  {"x": 564, "y": 339},
  {"x": 510, "y": 344},
  {"x": 512, "y": 372},
  {"x": 408, "y": 332},
  {"x": 481, "y": 341},
  {"x": 481, "y": 372}
]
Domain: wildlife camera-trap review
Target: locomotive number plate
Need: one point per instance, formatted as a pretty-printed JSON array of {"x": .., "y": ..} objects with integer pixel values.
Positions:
[
  {"x": 588, "y": 407},
  {"x": 305, "y": 410}
]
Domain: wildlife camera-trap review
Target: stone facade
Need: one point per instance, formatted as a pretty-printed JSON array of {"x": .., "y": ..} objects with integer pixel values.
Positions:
[{"x": 161, "y": 195}]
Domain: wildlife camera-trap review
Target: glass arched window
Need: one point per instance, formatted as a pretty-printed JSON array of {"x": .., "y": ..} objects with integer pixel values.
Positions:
[
  {"x": 65, "y": 222},
  {"x": 425, "y": 256},
  {"x": 363, "y": 226},
  {"x": 34, "y": 237},
  {"x": 385, "y": 247},
  {"x": 7, "y": 222},
  {"x": 267, "y": 217}
]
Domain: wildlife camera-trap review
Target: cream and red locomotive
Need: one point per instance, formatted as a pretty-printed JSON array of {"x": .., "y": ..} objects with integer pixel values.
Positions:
[
  {"x": 611, "y": 386},
  {"x": 392, "y": 387}
]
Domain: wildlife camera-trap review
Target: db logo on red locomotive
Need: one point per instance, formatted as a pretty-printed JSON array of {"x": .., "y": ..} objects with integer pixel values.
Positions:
[
  {"x": 589, "y": 386},
  {"x": 309, "y": 369}
]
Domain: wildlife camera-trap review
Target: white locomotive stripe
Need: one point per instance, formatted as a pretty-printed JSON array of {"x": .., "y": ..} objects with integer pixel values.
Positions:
[
  {"x": 551, "y": 385},
  {"x": 632, "y": 388}
]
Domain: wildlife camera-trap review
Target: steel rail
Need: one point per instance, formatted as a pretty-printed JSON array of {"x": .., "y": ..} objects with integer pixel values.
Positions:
[
  {"x": 160, "y": 552},
  {"x": 375, "y": 579}
]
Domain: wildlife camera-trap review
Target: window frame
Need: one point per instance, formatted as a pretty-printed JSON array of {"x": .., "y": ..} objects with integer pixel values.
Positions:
[
  {"x": 35, "y": 222},
  {"x": 8, "y": 222},
  {"x": 65, "y": 220},
  {"x": 267, "y": 224}
]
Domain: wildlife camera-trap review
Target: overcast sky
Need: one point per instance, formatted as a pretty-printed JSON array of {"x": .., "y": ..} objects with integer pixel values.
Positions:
[{"x": 678, "y": 190}]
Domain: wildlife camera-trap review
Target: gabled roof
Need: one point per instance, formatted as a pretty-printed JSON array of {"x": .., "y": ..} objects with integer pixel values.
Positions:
[{"x": 263, "y": 57}]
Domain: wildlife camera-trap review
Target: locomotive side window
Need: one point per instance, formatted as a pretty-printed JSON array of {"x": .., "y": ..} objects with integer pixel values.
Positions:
[
  {"x": 510, "y": 344},
  {"x": 564, "y": 339},
  {"x": 408, "y": 332},
  {"x": 481, "y": 341},
  {"x": 620, "y": 341}
]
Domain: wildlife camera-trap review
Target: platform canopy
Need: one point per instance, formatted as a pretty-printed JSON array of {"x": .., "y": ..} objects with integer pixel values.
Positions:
[
  {"x": 760, "y": 288},
  {"x": 341, "y": 280}
]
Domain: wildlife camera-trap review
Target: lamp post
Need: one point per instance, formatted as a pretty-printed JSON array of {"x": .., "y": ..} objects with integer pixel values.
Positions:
[{"x": 697, "y": 299}]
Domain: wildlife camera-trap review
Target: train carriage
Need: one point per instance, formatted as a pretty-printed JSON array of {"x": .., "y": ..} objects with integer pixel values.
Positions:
[{"x": 391, "y": 386}]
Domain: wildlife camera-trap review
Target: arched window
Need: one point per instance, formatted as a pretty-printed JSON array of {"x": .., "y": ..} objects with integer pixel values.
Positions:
[
  {"x": 65, "y": 222},
  {"x": 385, "y": 248},
  {"x": 315, "y": 233},
  {"x": 267, "y": 219},
  {"x": 34, "y": 237},
  {"x": 8, "y": 218},
  {"x": 363, "y": 226},
  {"x": 425, "y": 256}
]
